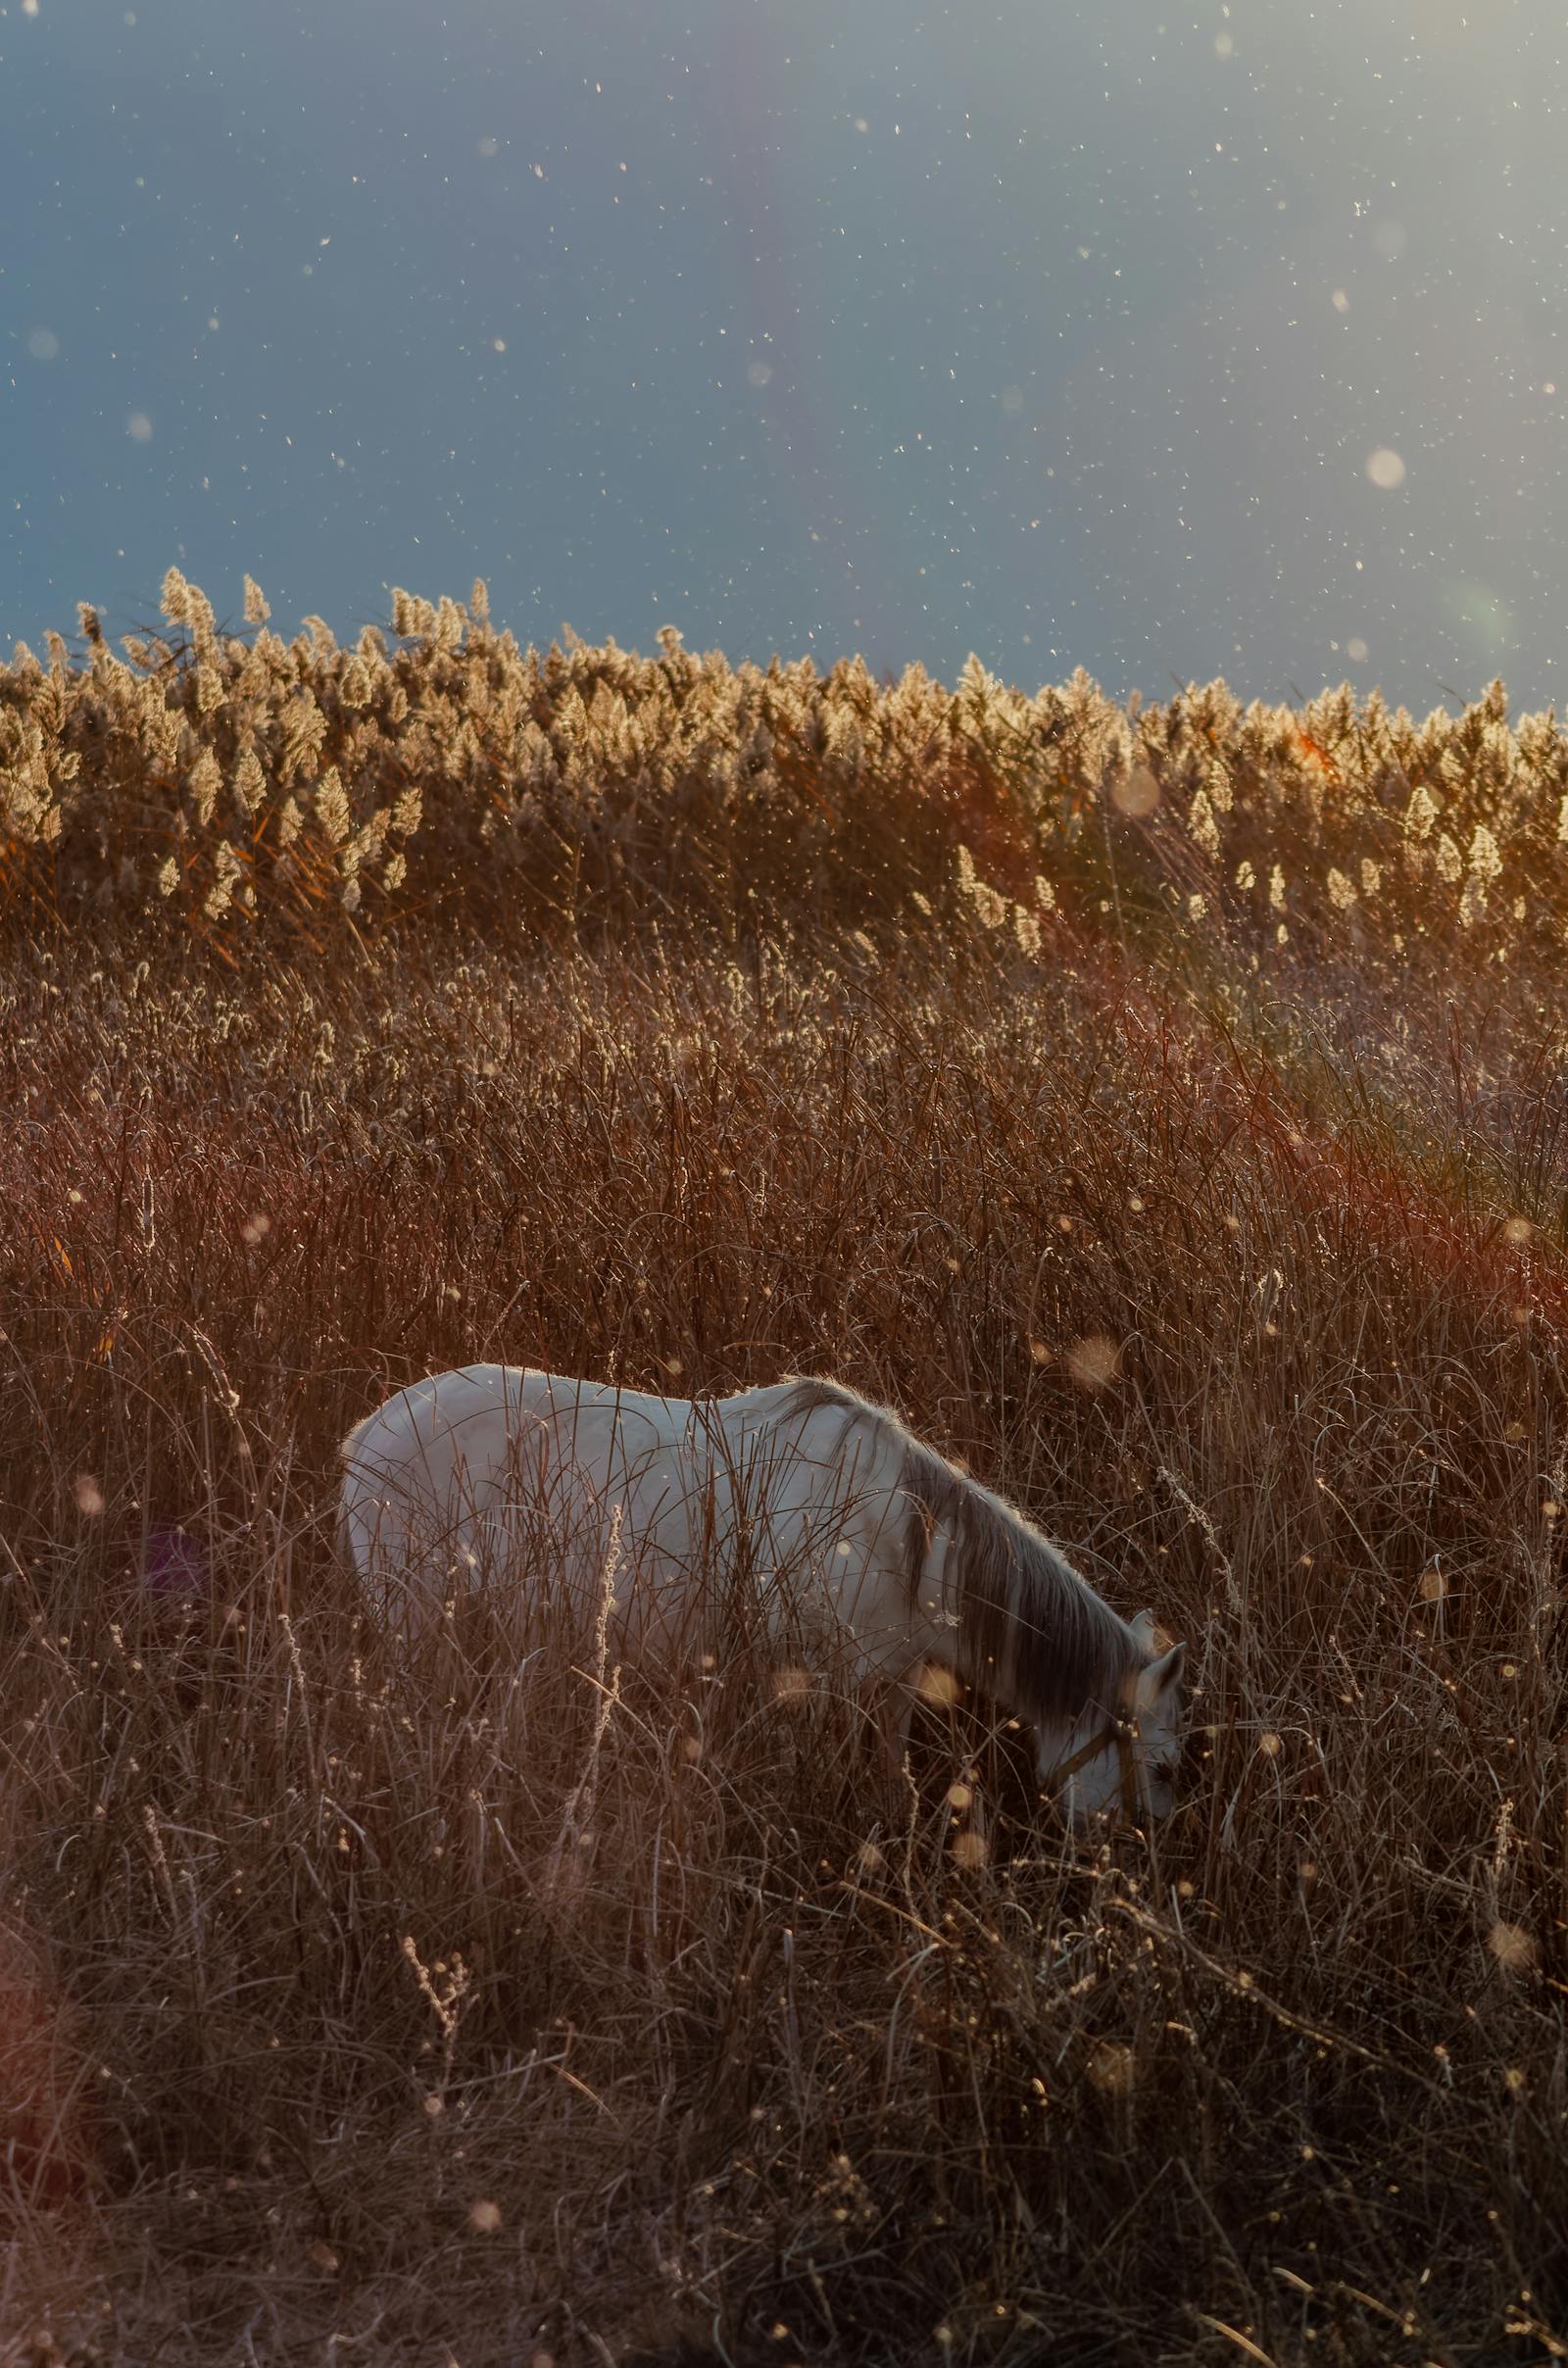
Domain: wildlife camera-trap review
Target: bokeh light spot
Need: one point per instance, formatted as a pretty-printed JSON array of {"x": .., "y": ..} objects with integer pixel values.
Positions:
[{"x": 1095, "y": 1361}]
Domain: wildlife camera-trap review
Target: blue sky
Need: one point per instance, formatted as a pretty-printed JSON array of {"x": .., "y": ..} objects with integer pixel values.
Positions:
[{"x": 1159, "y": 340}]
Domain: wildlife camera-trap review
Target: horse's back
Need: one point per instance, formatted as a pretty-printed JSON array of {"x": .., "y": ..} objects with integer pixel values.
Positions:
[
  {"x": 464, "y": 1466},
  {"x": 479, "y": 1408},
  {"x": 525, "y": 1478}
]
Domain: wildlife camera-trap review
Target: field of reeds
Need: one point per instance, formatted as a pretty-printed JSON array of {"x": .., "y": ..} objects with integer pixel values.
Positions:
[{"x": 1166, "y": 1110}]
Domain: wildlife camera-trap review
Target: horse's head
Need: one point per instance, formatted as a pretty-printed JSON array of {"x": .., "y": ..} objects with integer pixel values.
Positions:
[{"x": 1123, "y": 1758}]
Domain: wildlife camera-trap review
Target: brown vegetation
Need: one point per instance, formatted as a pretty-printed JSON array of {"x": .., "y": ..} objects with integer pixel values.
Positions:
[
  {"x": 1237, "y": 1263},
  {"x": 232, "y": 787}
]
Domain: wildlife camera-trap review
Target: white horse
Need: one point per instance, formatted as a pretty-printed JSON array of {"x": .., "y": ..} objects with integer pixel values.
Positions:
[{"x": 818, "y": 1507}]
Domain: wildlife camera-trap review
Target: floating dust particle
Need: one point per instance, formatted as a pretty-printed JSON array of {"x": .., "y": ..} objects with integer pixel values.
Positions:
[
  {"x": 1137, "y": 793},
  {"x": 938, "y": 1684},
  {"x": 1513, "y": 1947},
  {"x": 1095, "y": 1361},
  {"x": 484, "y": 2217},
  {"x": 1112, "y": 2068},
  {"x": 89, "y": 1496}
]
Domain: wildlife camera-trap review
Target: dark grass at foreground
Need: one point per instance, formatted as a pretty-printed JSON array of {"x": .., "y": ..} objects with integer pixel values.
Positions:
[{"x": 418, "y": 2012}]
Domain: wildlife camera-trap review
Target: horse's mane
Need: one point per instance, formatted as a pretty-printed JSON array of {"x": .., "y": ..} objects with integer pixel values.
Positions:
[{"x": 1024, "y": 1614}]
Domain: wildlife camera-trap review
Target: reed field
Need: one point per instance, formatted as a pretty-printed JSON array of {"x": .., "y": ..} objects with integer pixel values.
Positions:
[{"x": 1165, "y": 1108}]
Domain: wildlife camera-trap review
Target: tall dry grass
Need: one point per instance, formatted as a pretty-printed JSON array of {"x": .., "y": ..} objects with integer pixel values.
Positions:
[
  {"x": 412, "y": 2008},
  {"x": 223, "y": 787}
]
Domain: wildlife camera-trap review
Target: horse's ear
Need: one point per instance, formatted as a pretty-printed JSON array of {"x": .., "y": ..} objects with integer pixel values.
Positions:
[
  {"x": 1142, "y": 1625},
  {"x": 1163, "y": 1676}
]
